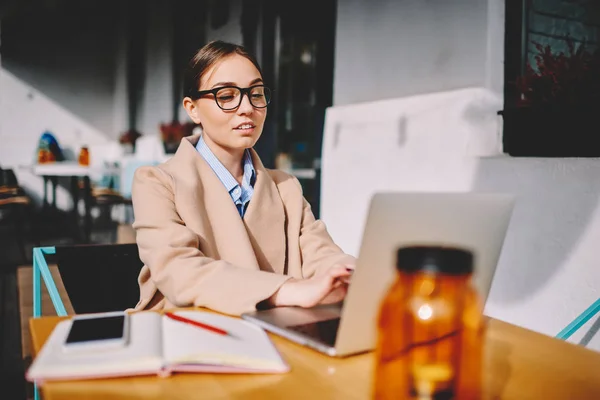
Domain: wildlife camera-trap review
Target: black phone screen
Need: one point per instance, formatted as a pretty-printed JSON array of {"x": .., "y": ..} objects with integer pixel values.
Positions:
[{"x": 102, "y": 328}]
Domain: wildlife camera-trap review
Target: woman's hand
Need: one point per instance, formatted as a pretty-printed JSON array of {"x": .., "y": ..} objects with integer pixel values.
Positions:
[{"x": 325, "y": 288}]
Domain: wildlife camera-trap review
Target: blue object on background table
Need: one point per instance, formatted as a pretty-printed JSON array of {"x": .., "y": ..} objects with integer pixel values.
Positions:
[{"x": 48, "y": 141}]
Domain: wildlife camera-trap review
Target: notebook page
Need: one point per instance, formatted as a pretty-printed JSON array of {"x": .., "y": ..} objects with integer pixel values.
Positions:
[
  {"x": 142, "y": 354},
  {"x": 248, "y": 346}
]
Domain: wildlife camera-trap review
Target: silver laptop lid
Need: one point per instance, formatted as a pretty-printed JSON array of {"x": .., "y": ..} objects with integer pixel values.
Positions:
[{"x": 477, "y": 221}]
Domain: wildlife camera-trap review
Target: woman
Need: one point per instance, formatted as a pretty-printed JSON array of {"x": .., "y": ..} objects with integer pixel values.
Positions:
[{"x": 214, "y": 227}]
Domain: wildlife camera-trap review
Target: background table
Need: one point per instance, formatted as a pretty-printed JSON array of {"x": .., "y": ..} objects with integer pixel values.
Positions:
[
  {"x": 70, "y": 169},
  {"x": 519, "y": 364}
]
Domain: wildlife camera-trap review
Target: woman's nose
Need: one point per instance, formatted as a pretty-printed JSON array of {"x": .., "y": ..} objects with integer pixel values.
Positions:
[{"x": 245, "y": 106}]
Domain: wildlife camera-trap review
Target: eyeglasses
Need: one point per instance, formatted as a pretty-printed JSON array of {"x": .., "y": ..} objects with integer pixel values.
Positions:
[{"x": 230, "y": 97}]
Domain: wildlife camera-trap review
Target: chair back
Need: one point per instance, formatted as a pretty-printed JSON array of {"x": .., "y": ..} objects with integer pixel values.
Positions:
[
  {"x": 100, "y": 278},
  {"x": 8, "y": 178}
]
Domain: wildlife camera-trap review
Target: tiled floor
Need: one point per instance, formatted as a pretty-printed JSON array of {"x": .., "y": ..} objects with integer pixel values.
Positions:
[{"x": 13, "y": 355}]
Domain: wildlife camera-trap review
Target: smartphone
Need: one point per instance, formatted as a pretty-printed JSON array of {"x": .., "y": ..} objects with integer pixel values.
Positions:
[{"x": 98, "y": 332}]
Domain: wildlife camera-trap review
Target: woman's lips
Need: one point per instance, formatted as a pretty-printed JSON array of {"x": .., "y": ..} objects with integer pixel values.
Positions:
[{"x": 245, "y": 129}]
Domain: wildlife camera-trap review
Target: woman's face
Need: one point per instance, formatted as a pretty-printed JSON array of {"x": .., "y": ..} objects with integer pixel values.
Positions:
[{"x": 237, "y": 129}]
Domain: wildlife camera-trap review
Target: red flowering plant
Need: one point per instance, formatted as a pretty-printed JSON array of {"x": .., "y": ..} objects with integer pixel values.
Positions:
[
  {"x": 566, "y": 80},
  {"x": 129, "y": 137},
  {"x": 173, "y": 132}
]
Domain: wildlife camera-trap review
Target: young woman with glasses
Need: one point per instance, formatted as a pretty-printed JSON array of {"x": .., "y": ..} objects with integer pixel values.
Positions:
[{"x": 214, "y": 227}]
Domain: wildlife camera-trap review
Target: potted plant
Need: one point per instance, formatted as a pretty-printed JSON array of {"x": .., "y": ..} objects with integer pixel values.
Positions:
[
  {"x": 559, "y": 100},
  {"x": 128, "y": 139},
  {"x": 173, "y": 132}
]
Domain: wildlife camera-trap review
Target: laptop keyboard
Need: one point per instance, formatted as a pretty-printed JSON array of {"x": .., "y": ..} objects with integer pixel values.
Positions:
[{"x": 323, "y": 331}]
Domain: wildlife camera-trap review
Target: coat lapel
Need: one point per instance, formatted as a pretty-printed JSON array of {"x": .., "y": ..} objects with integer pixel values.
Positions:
[
  {"x": 265, "y": 221},
  {"x": 228, "y": 229}
]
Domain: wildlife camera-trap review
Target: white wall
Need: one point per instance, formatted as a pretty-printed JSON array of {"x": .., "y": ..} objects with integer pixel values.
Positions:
[
  {"x": 548, "y": 270},
  {"x": 25, "y": 113},
  {"x": 68, "y": 56},
  {"x": 494, "y": 50},
  {"x": 390, "y": 48},
  {"x": 64, "y": 75},
  {"x": 76, "y": 55},
  {"x": 402, "y": 142},
  {"x": 69, "y": 75},
  {"x": 449, "y": 140}
]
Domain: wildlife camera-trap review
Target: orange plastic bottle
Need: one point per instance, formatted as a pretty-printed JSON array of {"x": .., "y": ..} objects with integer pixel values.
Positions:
[
  {"x": 84, "y": 156},
  {"x": 430, "y": 340}
]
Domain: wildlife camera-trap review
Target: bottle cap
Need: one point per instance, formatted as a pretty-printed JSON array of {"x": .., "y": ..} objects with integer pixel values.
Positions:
[{"x": 434, "y": 259}]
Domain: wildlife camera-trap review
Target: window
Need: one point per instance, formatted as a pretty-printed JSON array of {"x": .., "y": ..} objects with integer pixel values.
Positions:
[
  {"x": 548, "y": 22},
  {"x": 295, "y": 44},
  {"x": 553, "y": 113}
]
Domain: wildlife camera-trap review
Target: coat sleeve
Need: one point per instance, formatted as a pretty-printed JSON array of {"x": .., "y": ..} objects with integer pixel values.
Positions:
[
  {"x": 180, "y": 271},
  {"x": 318, "y": 250}
]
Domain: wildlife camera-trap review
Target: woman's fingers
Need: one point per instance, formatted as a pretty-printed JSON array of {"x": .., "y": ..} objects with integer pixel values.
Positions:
[
  {"x": 340, "y": 274},
  {"x": 336, "y": 295},
  {"x": 337, "y": 272},
  {"x": 330, "y": 286}
]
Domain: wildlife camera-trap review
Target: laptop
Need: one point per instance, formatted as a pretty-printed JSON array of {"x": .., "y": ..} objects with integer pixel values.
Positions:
[{"x": 475, "y": 221}]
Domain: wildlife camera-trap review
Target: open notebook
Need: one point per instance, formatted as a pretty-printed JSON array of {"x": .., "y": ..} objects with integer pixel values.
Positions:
[{"x": 160, "y": 345}]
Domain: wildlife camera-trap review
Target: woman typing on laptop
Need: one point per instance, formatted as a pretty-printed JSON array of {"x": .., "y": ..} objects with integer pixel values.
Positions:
[{"x": 214, "y": 227}]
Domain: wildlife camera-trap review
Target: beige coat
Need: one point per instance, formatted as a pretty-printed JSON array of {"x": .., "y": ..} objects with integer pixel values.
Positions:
[{"x": 198, "y": 251}]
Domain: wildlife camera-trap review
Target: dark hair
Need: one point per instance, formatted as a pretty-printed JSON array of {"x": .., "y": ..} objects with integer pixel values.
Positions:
[{"x": 206, "y": 57}]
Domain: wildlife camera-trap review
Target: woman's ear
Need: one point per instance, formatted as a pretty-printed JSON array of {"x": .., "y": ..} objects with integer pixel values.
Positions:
[{"x": 191, "y": 109}]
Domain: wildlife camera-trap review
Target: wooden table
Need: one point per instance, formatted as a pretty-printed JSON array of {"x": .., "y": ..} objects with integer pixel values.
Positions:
[{"x": 520, "y": 364}]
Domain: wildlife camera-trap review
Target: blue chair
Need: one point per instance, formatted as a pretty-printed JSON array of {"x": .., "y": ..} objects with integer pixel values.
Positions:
[
  {"x": 578, "y": 322},
  {"x": 97, "y": 278},
  {"x": 41, "y": 271}
]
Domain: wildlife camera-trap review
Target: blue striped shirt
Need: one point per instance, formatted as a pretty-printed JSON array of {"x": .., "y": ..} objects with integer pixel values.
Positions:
[{"x": 240, "y": 195}]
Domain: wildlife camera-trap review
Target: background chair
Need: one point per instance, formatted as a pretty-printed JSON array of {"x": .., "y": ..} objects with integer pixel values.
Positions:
[
  {"x": 15, "y": 209},
  {"x": 105, "y": 159},
  {"x": 581, "y": 320},
  {"x": 97, "y": 278},
  {"x": 114, "y": 188}
]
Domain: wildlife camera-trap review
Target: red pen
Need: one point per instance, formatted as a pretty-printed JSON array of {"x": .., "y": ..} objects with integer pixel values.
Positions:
[{"x": 196, "y": 323}]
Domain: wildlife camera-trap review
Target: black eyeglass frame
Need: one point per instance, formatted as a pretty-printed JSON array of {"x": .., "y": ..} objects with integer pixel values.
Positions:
[{"x": 244, "y": 91}]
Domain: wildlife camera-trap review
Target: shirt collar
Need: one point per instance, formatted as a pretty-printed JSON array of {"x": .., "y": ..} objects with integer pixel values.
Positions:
[{"x": 223, "y": 174}]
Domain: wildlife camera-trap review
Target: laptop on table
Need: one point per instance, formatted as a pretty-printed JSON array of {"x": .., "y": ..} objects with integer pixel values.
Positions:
[{"x": 476, "y": 221}]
